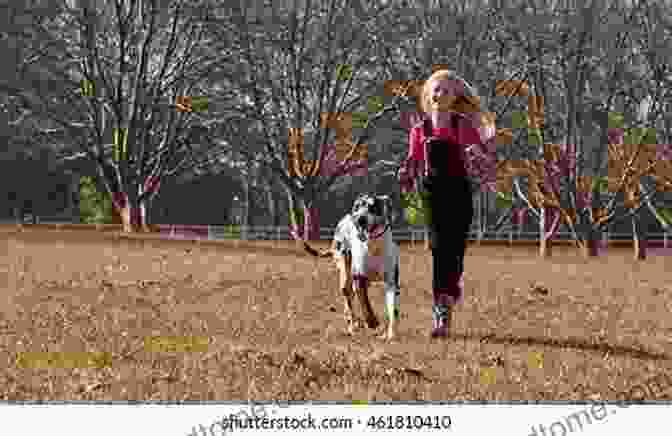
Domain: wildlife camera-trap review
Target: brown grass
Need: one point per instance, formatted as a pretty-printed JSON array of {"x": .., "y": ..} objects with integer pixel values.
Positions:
[{"x": 561, "y": 329}]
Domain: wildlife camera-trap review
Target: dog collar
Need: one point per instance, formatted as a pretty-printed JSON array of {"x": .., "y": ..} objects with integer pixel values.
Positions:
[{"x": 385, "y": 229}]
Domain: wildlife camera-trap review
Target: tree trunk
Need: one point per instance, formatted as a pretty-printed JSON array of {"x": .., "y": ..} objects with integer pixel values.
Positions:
[
  {"x": 150, "y": 189},
  {"x": 295, "y": 225},
  {"x": 591, "y": 245},
  {"x": 549, "y": 225},
  {"x": 272, "y": 209},
  {"x": 518, "y": 218},
  {"x": 639, "y": 239},
  {"x": 545, "y": 243},
  {"x": 132, "y": 209},
  {"x": 128, "y": 210},
  {"x": 294, "y": 221},
  {"x": 143, "y": 221},
  {"x": 116, "y": 215},
  {"x": 311, "y": 223},
  {"x": 307, "y": 227},
  {"x": 522, "y": 216}
]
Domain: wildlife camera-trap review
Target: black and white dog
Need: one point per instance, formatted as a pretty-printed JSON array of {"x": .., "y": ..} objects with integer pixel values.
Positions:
[{"x": 364, "y": 252}]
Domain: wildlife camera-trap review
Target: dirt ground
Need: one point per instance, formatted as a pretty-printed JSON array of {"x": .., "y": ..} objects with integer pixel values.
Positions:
[{"x": 272, "y": 318}]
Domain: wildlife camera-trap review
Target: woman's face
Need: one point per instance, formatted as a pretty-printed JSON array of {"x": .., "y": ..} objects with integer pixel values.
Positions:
[{"x": 442, "y": 93}]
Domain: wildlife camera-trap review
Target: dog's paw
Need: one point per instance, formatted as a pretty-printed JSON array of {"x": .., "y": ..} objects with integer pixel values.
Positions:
[
  {"x": 353, "y": 326},
  {"x": 388, "y": 336},
  {"x": 373, "y": 323}
]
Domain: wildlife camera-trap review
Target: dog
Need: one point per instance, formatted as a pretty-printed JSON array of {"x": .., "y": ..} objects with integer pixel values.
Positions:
[{"x": 364, "y": 251}]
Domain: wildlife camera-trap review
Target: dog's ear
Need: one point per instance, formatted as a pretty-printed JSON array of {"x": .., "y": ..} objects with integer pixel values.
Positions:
[
  {"x": 363, "y": 201},
  {"x": 359, "y": 202}
]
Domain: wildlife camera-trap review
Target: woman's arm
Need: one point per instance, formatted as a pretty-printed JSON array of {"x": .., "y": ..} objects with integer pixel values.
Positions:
[
  {"x": 477, "y": 128},
  {"x": 410, "y": 167},
  {"x": 479, "y": 134},
  {"x": 415, "y": 149}
]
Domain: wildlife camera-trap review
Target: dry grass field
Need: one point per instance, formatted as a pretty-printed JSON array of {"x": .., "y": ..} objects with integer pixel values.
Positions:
[{"x": 271, "y": 323}]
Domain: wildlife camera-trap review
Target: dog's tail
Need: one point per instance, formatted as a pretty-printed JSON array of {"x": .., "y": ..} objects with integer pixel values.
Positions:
[{"x": 316, "y": 253}]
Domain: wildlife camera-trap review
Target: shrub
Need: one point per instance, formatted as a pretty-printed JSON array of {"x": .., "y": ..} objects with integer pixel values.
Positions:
[{"x": 94, "y": 207}]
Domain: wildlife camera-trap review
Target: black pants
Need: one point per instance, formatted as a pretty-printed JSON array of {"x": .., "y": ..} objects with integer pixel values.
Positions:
[{"x": 451, "y": 212}]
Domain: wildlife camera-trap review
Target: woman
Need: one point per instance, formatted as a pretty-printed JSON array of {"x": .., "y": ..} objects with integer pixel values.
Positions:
[{"x": 451, "y": 121}]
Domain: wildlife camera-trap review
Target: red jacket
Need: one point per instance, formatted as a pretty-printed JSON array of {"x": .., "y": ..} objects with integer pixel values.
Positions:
[{"x": 468, "y": 131}]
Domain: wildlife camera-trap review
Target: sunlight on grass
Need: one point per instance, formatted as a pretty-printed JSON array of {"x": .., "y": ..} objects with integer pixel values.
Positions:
[{"x": 269, "y": 324}]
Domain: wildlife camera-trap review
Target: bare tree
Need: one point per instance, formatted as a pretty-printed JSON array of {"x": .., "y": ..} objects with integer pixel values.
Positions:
[
  {"x": 562, "y": 184},
  {"x": 652, "y": 43},
  {"x": 301, "y": 86},
  {"x": 109, "y": 76}
]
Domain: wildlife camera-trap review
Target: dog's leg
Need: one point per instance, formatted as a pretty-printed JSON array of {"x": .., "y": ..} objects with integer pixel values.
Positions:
[
  {"x": 360, "y": 280},
  {"x": 361, "y": 287},
  {"x": 345, "y": 283},
  {"x": 392, "y": 291}
]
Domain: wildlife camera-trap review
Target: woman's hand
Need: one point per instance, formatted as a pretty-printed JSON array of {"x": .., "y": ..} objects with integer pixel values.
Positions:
[{"x": 407, "y": 175}]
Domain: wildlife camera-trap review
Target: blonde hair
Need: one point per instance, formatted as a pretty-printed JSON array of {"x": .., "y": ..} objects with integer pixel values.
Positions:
[{"x": 470, "y": 102}]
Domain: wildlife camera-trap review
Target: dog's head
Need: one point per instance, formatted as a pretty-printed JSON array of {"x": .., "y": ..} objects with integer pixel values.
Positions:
[{"x": 371, "y": 212}]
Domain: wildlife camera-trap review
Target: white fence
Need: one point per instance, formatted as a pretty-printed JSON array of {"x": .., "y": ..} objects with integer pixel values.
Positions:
[{"x": 412, "y": 233}]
